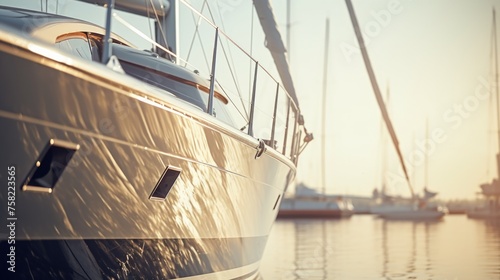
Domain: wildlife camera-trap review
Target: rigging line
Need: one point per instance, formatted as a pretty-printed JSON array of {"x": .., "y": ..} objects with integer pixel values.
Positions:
[
  {"x": 197, "y": 24},
  {"x": 303, "y": 147},
  {"x": 145, "y": 37},
  {"x": 378, "y": 95},
  {"x": 490, "y": 110},
  {"x": 163, "y": 36},
  {"x": 232, "y": 102},
  {"x": 252, "y": 10},
  {"x": 221, "y": 32},
  {"x": 496, "y": 82},
  {"x": 57, "y": 6},
  {"x": 193, "y": 10},
  {"x": 323, "y": 109},
  {"x": 378, "y": 175},
  {"x": 233, "y": 74},
  {"x": 386, "y": 139},
  {"x": 413, "y": 170},
  {"x": 227, "y": 42},
  {"x": 215, "y": 26},
  {"x": 488, "y": 135},
  {"x": 196, "y": 34},
  {"x": 426, "y": 170},
  {"x": 384, "y": 155},
  {"x": 288, "y": 12}
]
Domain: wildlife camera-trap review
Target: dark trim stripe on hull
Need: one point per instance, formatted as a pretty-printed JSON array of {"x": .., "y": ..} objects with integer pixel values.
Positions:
[{"x": 130, "y": 258}]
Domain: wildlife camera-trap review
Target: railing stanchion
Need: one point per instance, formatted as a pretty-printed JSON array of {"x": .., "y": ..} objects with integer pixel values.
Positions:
[
  {"x": 294, "y": 137},
  {"x": 210, "y": 109},
  {"x": 274, "y": 114},
  {"x": 108, "y": 41},
  {"x": 252, "y": 106},
  {"x": 286, "y": 127}
]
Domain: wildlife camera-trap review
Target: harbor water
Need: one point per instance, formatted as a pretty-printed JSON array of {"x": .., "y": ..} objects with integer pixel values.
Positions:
[{"x": 367, "y": 247}]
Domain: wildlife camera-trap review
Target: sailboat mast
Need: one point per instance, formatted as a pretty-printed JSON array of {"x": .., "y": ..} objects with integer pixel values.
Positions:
[
  {"x": 376, "y": 90},
  {"x": 496, "y": 88},
  {"x": 323, "y": 110},
  {"x": 426, "y": 174},
  {"x": 384, "y": 146},
  {"x": 288, "y": 32},
  {"x": 275, "y": 45}
]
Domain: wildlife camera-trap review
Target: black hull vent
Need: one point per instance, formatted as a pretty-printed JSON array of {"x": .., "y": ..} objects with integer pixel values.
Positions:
[
  {"x": 50, "y": 166},
  {"x": 165, "y": 183}
]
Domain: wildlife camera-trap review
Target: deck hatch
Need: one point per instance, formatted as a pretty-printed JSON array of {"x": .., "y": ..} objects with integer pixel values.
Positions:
[
  {"x": 49, "y": 166},
  {"x": 164, "y": 185}
]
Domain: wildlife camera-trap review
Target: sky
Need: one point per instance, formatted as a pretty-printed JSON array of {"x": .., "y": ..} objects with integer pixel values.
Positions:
[{"x": 433, "y": 57}]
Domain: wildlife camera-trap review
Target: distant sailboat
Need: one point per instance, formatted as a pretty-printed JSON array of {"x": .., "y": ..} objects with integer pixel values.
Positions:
[
  {"x": 491, "y": 191},
  {"x": 418, "y": 208},
  {"x": 307, "y": 202},
  {"x": 413, "y": 210},
  {"x": 391, "y": 207},
  {"x": 383, "y": 201}
]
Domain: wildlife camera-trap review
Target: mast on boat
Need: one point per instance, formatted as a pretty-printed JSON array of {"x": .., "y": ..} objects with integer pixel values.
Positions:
[
  {"x": 288, "y": 31},
  {"x": 323, "y": 109},
  {"x": 376, "y": 90},
  {"x": 426, "y": 170},
  {"x": 384, "y": 148},
  {"x": 495, "y": 54},
  {"x": 275, "y": 44}
]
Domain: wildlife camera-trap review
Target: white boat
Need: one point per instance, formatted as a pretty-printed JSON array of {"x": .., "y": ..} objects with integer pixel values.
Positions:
[
  {"x": 491, "y": 191},
  {"x": 118, "y": 163},
  {"x": 389, "y": 204},
  {"x": 491, "y": 206},
  {"x": 308, "y": 203},
  {"x": 414, "y": 208},
  {"x": 390, "y": 210},
  {"x": 406, "y": 209},
  {"x": 413, "y": 213},
  {"x": 410, "y": 211}
]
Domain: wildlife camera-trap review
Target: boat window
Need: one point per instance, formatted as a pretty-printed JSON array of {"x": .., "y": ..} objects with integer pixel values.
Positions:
[
  {"x": 95, "y": 49},
  {"x": 76, "y": 44},
  {"x": 184, "y": 91}
]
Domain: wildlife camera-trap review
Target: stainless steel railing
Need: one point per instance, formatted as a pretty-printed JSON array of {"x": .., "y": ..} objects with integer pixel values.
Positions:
[{"x": 272, "y": 114}]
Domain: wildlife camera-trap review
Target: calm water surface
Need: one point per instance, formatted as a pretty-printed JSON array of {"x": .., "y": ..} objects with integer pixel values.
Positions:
[{"x": 366, "y": 247}]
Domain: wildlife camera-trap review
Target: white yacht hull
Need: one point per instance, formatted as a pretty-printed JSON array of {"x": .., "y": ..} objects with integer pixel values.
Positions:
[{"x": 98, "y": 222}]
